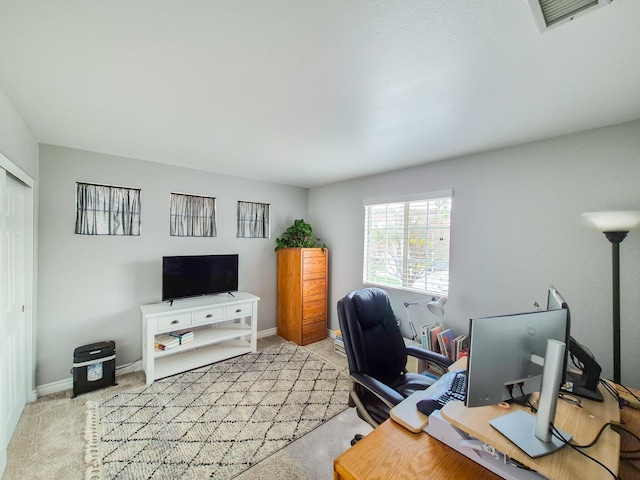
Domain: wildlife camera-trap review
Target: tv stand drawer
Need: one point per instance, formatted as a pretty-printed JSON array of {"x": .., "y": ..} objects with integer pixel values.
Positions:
[
  {"x": 174, "y": 322},
  {"x": 240, "y": 310},
  {"x": 208, "y": 316}
]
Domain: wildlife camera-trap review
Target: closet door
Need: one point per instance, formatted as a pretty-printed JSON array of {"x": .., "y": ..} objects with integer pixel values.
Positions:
[{"x": 13, "y": 355}]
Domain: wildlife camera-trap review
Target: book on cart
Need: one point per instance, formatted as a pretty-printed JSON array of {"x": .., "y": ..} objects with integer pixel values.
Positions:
[
  {"x": 429, "y": 337},
  {"x": 460, "y": 347},
  {"x": 338, "y": 343},
  {"x": 165, "y": 341},
  {"x": 183, "y": 336},
  {"x": 445, "y": 339}
]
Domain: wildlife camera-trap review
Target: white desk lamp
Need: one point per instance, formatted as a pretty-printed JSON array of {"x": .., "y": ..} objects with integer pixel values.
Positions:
[{"x": 435, "y": 305}]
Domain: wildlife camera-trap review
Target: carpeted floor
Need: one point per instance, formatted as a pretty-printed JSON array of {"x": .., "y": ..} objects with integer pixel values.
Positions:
[
  {"x": 215, "y": 421},
  {"x": 49, "y": 444}
]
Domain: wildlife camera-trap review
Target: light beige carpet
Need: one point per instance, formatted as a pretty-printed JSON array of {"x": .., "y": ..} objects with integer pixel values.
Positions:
[
  {"x": 48, "y": 443},
  {"x": 215, "y": 421}
]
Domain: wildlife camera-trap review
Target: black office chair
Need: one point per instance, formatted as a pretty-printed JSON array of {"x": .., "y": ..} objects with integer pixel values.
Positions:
[{"x": 377, "y": 355}]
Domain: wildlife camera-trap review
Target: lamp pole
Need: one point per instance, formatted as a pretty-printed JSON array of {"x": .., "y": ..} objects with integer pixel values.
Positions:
[
  {"x": 615, "y": 238},
  {"x": 615, "y": 225}
]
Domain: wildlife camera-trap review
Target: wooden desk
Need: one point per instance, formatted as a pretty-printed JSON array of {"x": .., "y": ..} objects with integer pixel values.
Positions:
[
  {"x": 391, "y": 452},
  {"x": 629, "y": 467},
  {"x": 584, "y": 423}
]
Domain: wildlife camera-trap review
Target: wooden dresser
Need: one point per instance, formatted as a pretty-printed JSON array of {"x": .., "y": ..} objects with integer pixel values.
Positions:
[{"x": 302, "y": 294}]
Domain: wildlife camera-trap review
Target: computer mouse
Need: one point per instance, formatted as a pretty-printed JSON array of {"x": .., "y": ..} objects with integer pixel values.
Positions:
[{"x": 428, "y": 406}]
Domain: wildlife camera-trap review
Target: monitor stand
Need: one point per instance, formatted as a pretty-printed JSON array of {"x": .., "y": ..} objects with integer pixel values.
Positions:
[
  {"x": 532, "y": 433},
  {"x": 519, "y": 427},
  {"x": 582, "y": 391}
]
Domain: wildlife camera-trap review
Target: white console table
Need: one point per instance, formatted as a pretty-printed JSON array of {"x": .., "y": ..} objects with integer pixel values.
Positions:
[{"x": 220, "y": 327}]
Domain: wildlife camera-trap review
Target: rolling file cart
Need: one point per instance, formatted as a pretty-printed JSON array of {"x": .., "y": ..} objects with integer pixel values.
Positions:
[{"x": 94, "y": 367}]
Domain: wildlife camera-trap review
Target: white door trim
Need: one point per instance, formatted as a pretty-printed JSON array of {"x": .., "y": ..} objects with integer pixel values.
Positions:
[
  {"x": 29, "y": 288},
  {"x": 30, "y": 269},
  {"x": 16, "y": 171}
]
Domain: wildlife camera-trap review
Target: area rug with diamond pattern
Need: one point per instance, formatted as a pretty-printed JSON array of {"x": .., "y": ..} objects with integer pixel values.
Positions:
[{"x": 215, "y": 421}]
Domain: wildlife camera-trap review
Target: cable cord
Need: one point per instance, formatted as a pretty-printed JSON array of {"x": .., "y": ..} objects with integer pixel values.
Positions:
[
  {"x": 576, "y": 363},
  {"x": 526, "y": 397},
  {"x": 577, "y": 448},
  {"x": 611, "y": 389},
  {"x": 630, "y": 392},
  {"x": 595, "y": 440},
  {"x": 614, "y": 426}
]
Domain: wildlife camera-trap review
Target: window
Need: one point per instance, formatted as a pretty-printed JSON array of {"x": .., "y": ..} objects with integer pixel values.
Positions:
[
  {"x": 253, "y": 220},
  {"x": 406, "y": 242},
  {"x": 107, "y": 210},
  {"x": 192, "y": 216}
]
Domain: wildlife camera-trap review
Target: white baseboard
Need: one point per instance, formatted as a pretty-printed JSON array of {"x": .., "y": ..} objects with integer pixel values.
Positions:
[
  {"x": 54, "y": 387},
  {"x": 32, "y": 396},
  {"x": 67, "y": 384},
  {"x": 132, "y": 367},
  {"x": 136, "y": 366},
  {"x": 268, "y": 332}
]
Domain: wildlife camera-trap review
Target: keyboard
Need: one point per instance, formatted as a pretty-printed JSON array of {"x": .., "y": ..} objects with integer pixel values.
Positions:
[{"x": 456, "y": 389}]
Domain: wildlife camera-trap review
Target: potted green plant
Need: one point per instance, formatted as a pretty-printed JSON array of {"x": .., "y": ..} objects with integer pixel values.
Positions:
[{"x": 299, "y": 235}]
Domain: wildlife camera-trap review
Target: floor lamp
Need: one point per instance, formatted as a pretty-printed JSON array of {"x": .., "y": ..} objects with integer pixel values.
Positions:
[{"x": 615, "y": 226}]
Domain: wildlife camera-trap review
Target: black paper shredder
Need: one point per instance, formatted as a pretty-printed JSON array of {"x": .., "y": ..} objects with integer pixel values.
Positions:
[{"x": 94, "y": 367}]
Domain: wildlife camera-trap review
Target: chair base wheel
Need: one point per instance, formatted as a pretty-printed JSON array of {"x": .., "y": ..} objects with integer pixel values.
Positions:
[{"x": 356, "y": 439}]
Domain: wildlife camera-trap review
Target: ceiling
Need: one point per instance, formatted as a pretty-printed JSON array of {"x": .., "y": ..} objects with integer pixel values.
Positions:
[{"x": 307, "y": 92}]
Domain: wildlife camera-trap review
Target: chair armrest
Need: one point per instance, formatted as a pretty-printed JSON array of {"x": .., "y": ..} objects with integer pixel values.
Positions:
[
  {"x": 433, "y": 359},
  {"x": 379, "y": 389}
]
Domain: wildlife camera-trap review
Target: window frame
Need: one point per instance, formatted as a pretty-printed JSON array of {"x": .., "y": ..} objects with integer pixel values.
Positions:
[
  {"x": 436, "y": 280},
  {"x": 193, "y": 228},
  {"x": 117, "y": 221},
  {"x": 255, "y": 224}
]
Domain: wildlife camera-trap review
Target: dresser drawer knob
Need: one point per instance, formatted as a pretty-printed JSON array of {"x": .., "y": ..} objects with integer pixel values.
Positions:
[
  {"x": 209, "y": 315},
  {"x": 174, "y": 322},
  {"x": 238, "y": 310}
]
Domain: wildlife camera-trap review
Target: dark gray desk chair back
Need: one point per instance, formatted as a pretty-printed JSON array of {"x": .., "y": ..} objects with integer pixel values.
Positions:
[{"x": 377, "y": 355}]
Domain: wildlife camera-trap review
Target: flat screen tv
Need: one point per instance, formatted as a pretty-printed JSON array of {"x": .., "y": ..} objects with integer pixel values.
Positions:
[{"x": 194, "y": 275}]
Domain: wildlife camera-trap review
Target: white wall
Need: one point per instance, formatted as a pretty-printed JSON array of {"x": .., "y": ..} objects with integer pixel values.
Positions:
[
  {"x": 16, "y": 141},
  {"x": 516, "y": 228},
  {"x": 90, "y": 287}
]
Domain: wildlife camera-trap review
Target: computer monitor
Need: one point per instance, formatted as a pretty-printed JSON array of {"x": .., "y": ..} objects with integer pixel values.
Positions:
[
  {"x": 585, "y": 383},
  {"x": 556, "y": 302},
  {"x": 500, "y": 350},
  {"x": 511, "y": 355}
]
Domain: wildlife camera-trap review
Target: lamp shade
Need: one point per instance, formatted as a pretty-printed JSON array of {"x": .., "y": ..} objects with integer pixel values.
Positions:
[
  {"x": 437, "y": 306},
  {"x": 621, "y": 221}
]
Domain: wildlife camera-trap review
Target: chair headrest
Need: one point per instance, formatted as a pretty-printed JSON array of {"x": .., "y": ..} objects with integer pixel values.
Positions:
[{"x": 372, "y": 306}]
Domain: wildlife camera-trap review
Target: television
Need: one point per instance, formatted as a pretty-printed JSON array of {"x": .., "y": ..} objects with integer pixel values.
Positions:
[
  {"x": 514, "y": 355},
  {"x": 195, "y": 275}
]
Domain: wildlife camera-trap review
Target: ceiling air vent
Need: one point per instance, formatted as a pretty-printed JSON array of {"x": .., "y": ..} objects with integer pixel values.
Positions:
[{"x": 550, "y": 13}]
